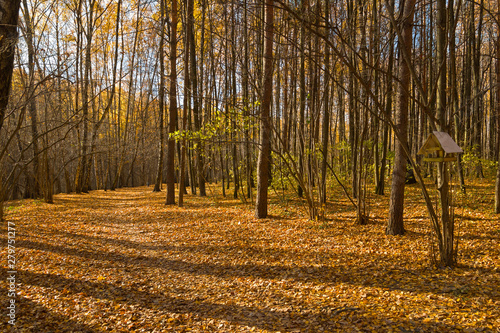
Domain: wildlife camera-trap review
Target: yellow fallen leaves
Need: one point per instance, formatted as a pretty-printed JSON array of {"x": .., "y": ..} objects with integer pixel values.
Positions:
[{"x": 124, "y": 262}]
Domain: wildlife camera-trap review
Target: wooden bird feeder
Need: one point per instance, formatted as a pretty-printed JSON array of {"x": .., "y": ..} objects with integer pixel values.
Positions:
[{"x": 440, "y": 147}]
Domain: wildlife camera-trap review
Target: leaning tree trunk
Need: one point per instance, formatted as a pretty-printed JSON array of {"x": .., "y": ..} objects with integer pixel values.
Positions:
[
  {"x": 265, "y": 131},
  {"x": 395, "y": 224}
]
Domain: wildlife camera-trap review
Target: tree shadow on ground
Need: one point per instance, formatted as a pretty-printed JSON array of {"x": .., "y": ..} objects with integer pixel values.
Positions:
[
  {"x": 34, "y": 317},
  {"x": 369, "y": 275},
  {"x": 303, "y": 320}
]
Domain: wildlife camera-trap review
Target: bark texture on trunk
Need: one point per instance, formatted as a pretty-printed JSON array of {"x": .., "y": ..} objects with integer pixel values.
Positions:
[
  {"x": 172, "y": 109},
  {"x": 497, "y": 186},
  {"x": 9, "y": 15},
  {"x": 395, "y": 224},
  {"x": 265, "y": 130}
]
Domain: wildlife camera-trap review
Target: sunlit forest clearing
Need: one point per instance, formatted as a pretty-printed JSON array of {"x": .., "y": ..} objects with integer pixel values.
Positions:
[
  {"x": 250, "y": 165},
  {"x": 123, "y": 261}
]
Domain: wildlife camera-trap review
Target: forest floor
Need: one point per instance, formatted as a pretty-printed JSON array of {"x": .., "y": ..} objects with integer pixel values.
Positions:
[{"x": 122, "y": 261}]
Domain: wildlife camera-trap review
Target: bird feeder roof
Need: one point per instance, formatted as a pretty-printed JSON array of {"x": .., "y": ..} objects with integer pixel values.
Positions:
[{"x": 441, "y": 141}]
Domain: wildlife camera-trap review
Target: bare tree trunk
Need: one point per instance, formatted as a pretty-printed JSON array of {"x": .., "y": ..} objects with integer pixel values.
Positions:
[
  {"x": 161, "y": 99},
  {"x": 82, "y": 185},
  {"x": 353, "y": 98},
  {"x": 196, "y": 97},
  {"x": 380, "y": 186},
  {"x": 185, "y": 108},
  {"x": 265, "y": 132},
  {"x": 170, "y": 200},
  {"x": 454, "y": 89},
  {"x": 9, "y": 14},
  {"x": 326, "y": 116},
  {"x": 447, "y": 253},
  {"x": 497, "y": 186},
  {"x": 395, "y": 224},
  {"x": 302, "y": 107},
  {"x": 477, "y": 117},
  {"x": 34, "y": 179},
  {"x": 246, "y": 105}
]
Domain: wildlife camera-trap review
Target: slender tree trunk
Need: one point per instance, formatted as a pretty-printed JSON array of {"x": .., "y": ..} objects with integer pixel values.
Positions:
[
  {"x": 497, "y": 186},
  {"x": 82, "y": 185},
  {"x": 186, "y": 107},
  {"x": 395, "y": 224},
  {"x": 352, "y": 15},
  {"x": 170, "y": 200},
  {"x": 34, "y": 179},
  {"x": 161, "y": 99},
  {"x": 234, "y": 134},
  {"x": 447, "y": 253},
  {"x": 326, "y": 117},
  {"x": 265, "y": 132},
  {"x": 477, "y": 117},
  {"x": 246, "y": 104},
  {"x": 454, "y": 90},
  {"x": 467, "y": 75},
  {"x": 196, "y": 97},
  {"x": 380, "y": 186},
  {"x": 302, "y": 107}
]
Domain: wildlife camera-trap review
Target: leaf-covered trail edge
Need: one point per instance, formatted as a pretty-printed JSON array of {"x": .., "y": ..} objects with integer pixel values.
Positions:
[{"x": 122, "y": 261}]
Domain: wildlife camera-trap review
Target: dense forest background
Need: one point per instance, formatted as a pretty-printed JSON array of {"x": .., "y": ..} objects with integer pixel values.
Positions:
[{"x": 108, "y": 94}]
